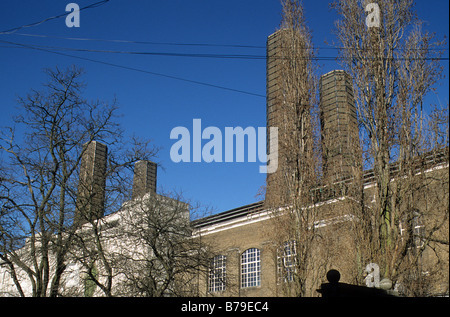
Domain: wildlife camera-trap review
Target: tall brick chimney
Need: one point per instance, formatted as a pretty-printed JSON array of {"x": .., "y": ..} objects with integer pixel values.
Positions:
[
  {"x": 144, "y": 180},
  {"x": 280, "y": 46},
  {"x": 340, "y": 138},
  {"x": 91, "y": 187},
  {"x": 273, "y": 107}
]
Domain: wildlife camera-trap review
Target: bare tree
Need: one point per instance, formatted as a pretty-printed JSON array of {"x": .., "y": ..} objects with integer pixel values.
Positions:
[
  {"x": 172, "y": 259},
  {"x": 394, "y": 65},
  {"x": 146, "y": 249},
  {"x": 298, "y": 160},
  {"x": 39, "y": 177}
]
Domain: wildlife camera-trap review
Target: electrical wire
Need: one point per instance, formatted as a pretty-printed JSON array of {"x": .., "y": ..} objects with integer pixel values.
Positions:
[
  {"x": 136, "y": 69},
  {"x": 203, "y": 55},
  {"x": 193, "y": 44},
  {"x": 140, "y": 42},
  {"x": 55, "y": 49},
  {"x": 93, "y": 5},
  {"x": 225, "y": 56}
]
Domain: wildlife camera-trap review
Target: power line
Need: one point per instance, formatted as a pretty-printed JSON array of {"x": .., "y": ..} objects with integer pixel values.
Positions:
[
  {"x": 199, "y": 55},
  {"x": 137, "y": 69},
  {"x": 13, "y": 30},
  {"x": 51, "y": 49},
  {"x": 197, "y": 44},
  {"x": 141, "y": 42},
  {"x": 219, "y": 56}
]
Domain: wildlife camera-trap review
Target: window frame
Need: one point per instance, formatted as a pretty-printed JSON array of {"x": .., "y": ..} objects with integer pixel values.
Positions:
[
  {"x": 251, "y": 268},
  {"x": 217, "y": 274},
  {"x": 287, "y": 253},
  {"x": 412, "y": 224}
]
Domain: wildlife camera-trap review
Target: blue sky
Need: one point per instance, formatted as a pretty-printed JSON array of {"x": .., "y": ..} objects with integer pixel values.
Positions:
[{"x": 153, "y": 105}]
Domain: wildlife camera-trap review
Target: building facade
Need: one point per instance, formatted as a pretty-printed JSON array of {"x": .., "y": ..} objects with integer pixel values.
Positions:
[
  {"x": 254, "y": 254},
  {"x": 252, "y": 260}
]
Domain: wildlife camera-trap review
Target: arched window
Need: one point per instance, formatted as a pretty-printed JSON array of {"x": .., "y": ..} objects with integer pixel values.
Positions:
[
  {"x": 217, "y": 273},
  {"x": 251, "y": 268}
]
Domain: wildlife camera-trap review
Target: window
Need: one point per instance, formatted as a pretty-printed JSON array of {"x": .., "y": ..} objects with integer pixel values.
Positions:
[
  {"x": 287, "y": 261},
  {"x": 412, "y": 227},
  {"x": 251, "y": 268},
  {"x": 418, "y": 230},
  {"x": 217, "y": 273}
]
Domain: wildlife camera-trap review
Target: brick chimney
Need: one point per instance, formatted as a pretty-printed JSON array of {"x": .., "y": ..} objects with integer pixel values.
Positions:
[
  {"x": 92, "y": 181},
  {"x": 144, "y": 180},
  {"x": 340, "y": 137},
  {"x": 280, "y": 44}
]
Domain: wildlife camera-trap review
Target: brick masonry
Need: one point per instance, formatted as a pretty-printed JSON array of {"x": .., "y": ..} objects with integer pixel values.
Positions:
[
  {"x": 144, "y": 179},
  {"x": 339, "y": 127},
  {"x": 92, "y": 181}
]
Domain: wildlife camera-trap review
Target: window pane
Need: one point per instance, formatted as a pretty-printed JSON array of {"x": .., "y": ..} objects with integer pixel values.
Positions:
[
  {"x": 217, "y": 273},
  {"x": 287, "y": 261},
  {"x": 251, "y": 268}
]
